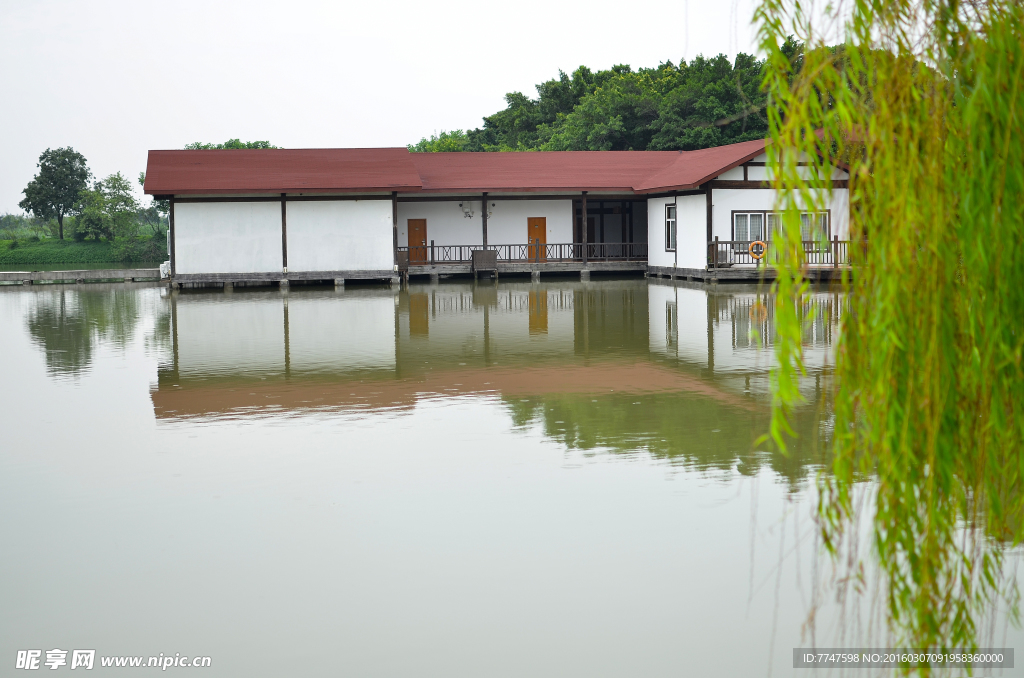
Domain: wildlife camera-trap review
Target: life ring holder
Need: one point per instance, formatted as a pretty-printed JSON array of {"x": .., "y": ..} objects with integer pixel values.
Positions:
[{"x": 764, "y": 249}]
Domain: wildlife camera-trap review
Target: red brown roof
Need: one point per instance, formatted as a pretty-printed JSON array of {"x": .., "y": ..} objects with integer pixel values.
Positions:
[
  {"x": 280, "y": 170},
  {"x": 395, "y": 169}
]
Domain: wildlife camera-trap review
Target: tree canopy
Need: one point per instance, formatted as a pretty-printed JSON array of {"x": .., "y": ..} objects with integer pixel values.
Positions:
[
  {"x": 706, "y": 102},
  {"x": 53, "y": 193},
  {"x": 229, "y": 144},
  {"x": 108, "y": 210}
]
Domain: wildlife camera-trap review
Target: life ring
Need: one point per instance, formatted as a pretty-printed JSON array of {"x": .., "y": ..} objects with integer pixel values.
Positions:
[
  {"x": 764, "y": 248},
  {"x": 758, "y": 313}
]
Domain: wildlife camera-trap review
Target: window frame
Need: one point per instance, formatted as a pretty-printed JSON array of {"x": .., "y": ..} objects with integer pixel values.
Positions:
[
  {"x": 671, "y": 227},
  {"x": 764, "y": 222}
]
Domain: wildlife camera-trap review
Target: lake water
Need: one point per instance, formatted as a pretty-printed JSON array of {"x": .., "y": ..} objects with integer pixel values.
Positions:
[{"x": 555, "y": 479}]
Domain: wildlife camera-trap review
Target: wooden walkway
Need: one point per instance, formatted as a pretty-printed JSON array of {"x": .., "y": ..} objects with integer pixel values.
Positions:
[{"x": 740, "y": 274}]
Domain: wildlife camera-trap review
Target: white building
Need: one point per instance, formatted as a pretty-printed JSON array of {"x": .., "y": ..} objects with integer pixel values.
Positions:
[{"x": 276, "y": 215}]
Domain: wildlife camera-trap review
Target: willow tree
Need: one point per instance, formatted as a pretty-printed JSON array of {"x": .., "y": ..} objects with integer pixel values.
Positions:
[{"x": 924, "y": 102}]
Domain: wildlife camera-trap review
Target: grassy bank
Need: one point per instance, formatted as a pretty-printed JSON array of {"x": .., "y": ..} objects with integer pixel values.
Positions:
[{"x": 51, "y": 252}]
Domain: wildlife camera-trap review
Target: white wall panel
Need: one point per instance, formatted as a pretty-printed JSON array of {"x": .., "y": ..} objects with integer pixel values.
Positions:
[
  {"x": 507, "y": 223},
  {"x": 657, "y": 255},
  {"x": 726, "y": 201},
  {"x": 447, "y": 225},
  {"x": 692, "y": 236},
  {"x": 691, "y": 232},
  {"x": 340, "y": 235},
  {"x": 227, "y": 237}
]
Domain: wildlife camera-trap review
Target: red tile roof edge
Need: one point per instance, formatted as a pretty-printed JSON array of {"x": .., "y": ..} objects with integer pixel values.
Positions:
[{"x": 394, "y": 169}]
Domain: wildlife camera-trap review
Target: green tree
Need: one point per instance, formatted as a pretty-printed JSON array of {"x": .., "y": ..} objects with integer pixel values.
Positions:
[
  {"x": 708, "y": 102},
  {"x": 229, "y": 144},
  {"x": 158, "y": 211},
  {"x": 715, "y": 103},
  {"x": 441, "y": 143},
  {"x": 929, "y": 377},
  {"x": 108, "y": 210},
  {"x": 121, "y": 206},
  {"x": 53, "y": 193},
  {"x": 91, "y": 214}
]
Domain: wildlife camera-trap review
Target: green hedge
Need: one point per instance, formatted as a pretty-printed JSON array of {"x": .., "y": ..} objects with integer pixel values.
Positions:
[{"x": 70, "y": 252}]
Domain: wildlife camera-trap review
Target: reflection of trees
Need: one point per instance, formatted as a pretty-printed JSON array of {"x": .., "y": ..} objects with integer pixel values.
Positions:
[
  {"x": 59, "y": 327},
  {"x": 68, "y": 325},
  {"x": 689, "y": 429}
]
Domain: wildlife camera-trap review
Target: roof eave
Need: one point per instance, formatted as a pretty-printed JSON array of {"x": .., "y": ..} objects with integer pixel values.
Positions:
[{"x": 279, "y": 191}]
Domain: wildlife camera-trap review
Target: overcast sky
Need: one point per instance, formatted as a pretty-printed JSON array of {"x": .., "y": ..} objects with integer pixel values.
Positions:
[{"x": 114, "y": 79}]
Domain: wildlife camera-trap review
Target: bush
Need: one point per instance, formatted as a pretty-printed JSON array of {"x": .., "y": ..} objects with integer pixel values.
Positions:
[
  {"x": 66, "y": 252},
  {"x": 139, "y": 249}
]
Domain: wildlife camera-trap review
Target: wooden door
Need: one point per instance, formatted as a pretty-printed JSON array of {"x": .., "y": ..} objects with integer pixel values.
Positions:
[
  {"x": 537, "y": 236},
  {"x": 417, "y": 241}
]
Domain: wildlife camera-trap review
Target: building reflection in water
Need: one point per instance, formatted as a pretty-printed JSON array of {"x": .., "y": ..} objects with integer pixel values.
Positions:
[{"x": 632, "y": 366}]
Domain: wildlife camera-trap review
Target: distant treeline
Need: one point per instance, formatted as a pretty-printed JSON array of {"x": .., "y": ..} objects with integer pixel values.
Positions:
[{"x": 700, "y": 104}]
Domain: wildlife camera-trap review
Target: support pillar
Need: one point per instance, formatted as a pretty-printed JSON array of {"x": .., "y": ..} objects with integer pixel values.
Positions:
[
  {"x": 483, "y": 217},
  {"x": 339, "y": 283},
  {"x": 585, "y": 275},
  {"x": 584, "y": 230},
  {"x": 229, "y": 287},
  {"x": 26, "y": 282},
  {"x": 435, "y": 278},
  {"x": 170, "y": 236},
  {"x": 710, "y": 218},
  {"x": 284, "y": 284},
  {"x": 535, "y": 276},
  {"x": 284, "y": 231},
  {"x": 394, "y": 226}
]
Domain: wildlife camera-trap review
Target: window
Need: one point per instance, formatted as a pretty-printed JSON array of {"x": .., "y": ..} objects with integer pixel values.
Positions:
[
  {"x": 814, "y": 226},
  {"x": 670, "y": 228},
  {"x": 750, "y": 226}
]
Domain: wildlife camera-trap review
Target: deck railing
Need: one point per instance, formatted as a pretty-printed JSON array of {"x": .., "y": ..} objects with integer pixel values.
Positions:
[
  {"x": 726, "y": 253},
  {"x": 424, "y": 255}
]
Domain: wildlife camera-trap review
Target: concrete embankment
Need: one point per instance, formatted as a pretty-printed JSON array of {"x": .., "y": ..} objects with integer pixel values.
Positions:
[{"x": 94, "y": 275}]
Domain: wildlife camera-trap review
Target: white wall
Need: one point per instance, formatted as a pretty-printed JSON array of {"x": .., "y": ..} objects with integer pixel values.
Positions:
[
  {"x": 692, "y": 235},
  {"x": 691, "y": 232},
  {"x": 725, "y": 201},
  {"x": 227, "y": 237},
  {"x": 342, "y": 235},
  {"x": 763, "y": 173},
  {"x": 656, "y": 253},
  {"x": 446, "y": 224}
]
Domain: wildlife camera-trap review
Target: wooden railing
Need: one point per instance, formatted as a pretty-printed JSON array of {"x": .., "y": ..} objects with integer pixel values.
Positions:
[
  {"x": 424, "y": 255},
  {"x": 726, "y": 253}
]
